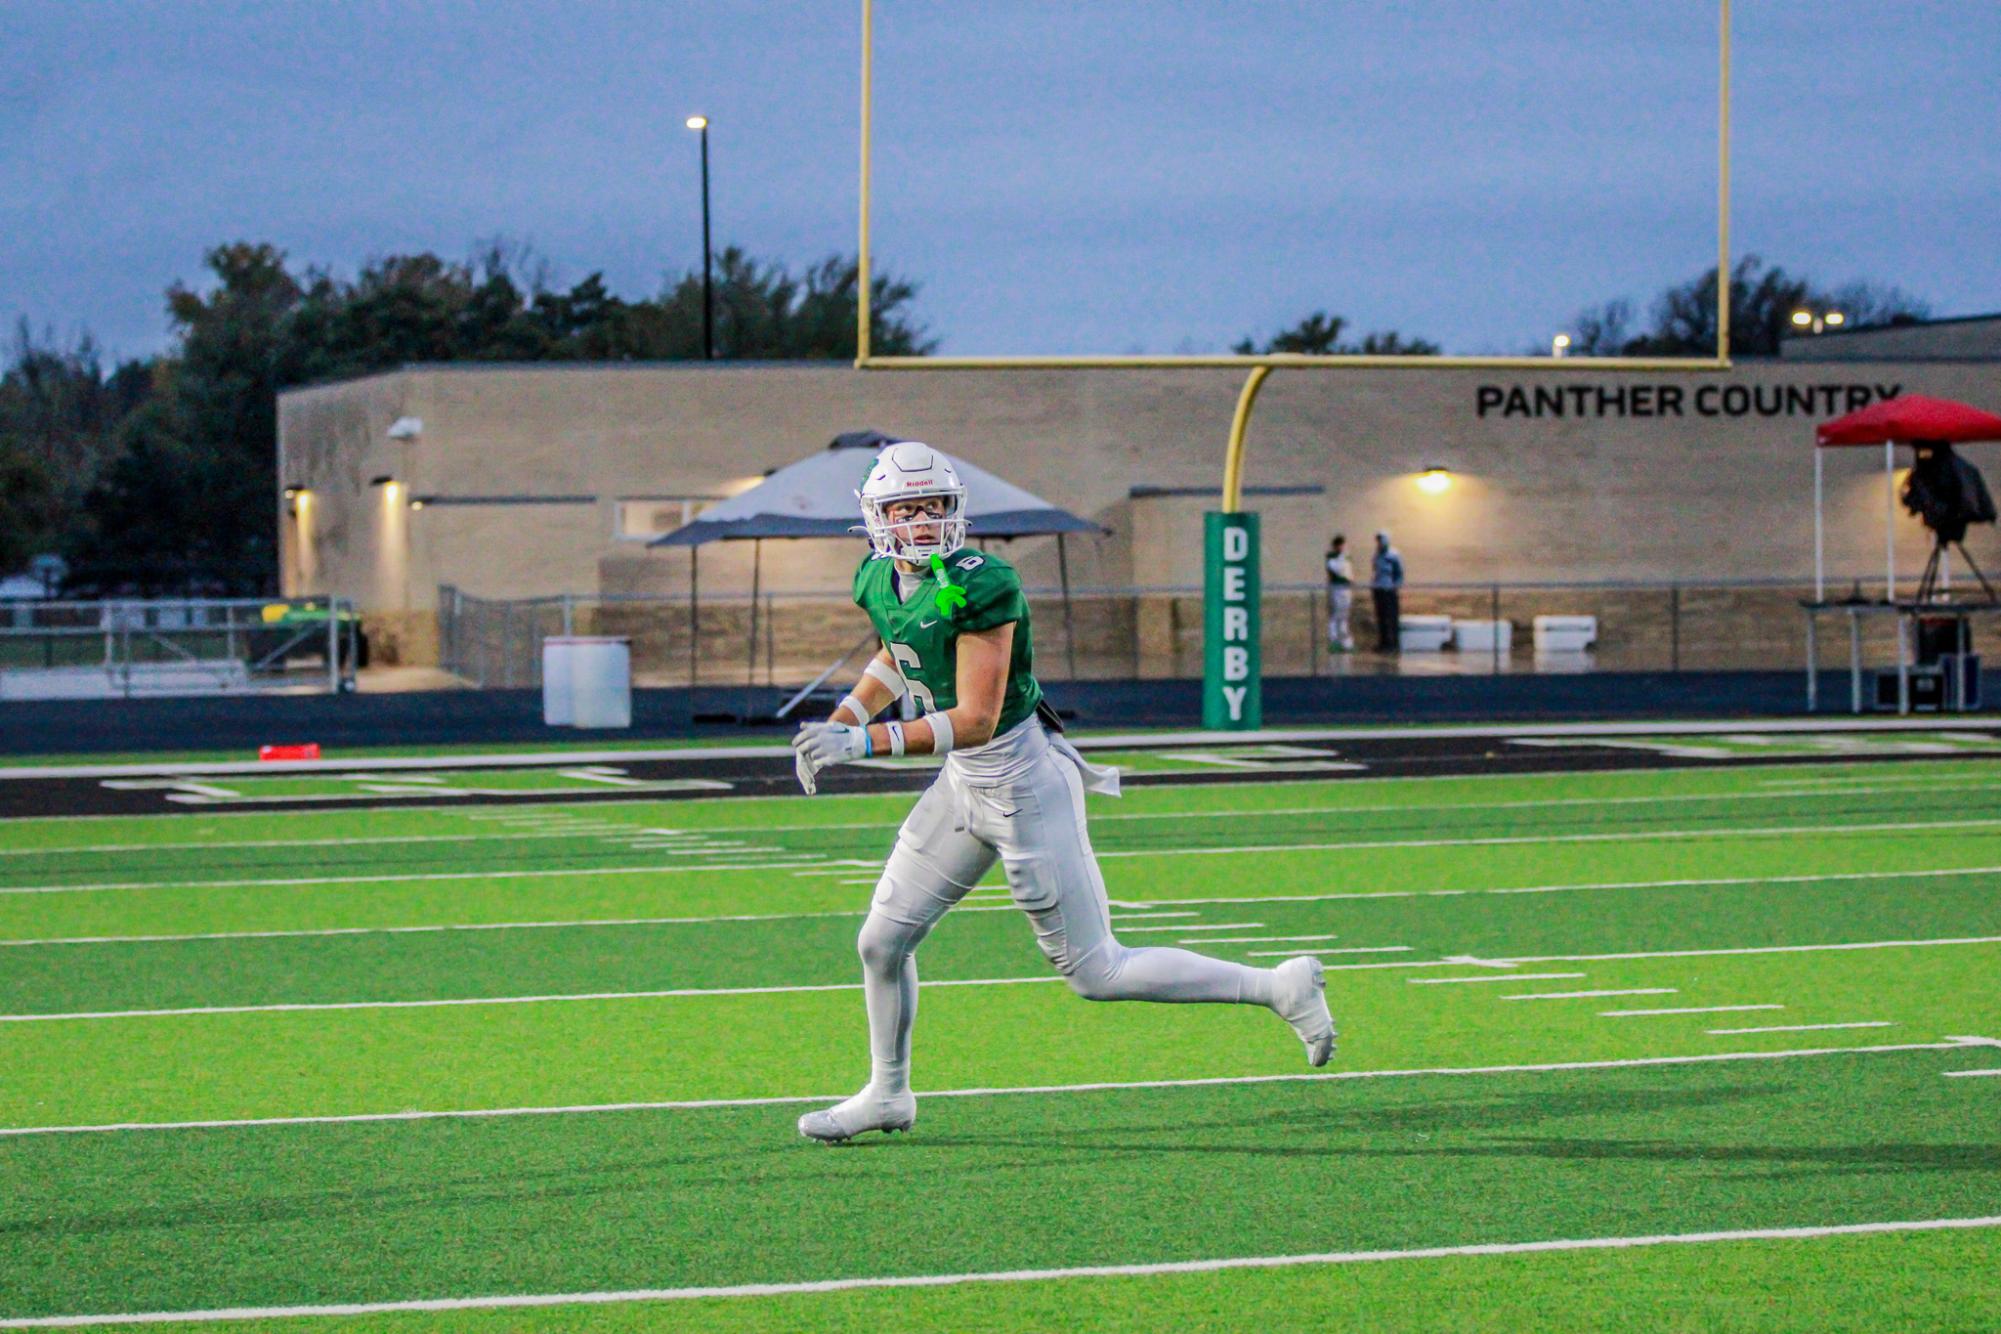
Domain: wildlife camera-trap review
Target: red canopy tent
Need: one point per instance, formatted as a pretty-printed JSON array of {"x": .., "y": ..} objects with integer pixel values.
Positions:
[{"x": 1906, "y": 418}]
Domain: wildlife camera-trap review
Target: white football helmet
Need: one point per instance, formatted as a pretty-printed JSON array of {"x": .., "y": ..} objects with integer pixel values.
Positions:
[{"x": 909, "y": 470}]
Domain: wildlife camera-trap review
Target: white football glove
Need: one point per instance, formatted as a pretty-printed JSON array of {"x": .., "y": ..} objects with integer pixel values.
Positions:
[{"x": 818, "y": 745}]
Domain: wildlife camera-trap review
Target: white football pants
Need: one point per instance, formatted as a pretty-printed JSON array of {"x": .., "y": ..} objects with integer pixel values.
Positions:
[
  {"x": 1035, "y": 825},
  {"x": 1340, "y": 599}
]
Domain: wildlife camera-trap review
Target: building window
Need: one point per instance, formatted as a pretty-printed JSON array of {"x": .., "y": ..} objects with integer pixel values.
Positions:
[{"x": 643, "y": 518}]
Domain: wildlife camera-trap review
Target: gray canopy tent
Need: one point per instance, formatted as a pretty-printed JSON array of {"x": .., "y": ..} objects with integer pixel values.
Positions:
[{"x": 815, "y": 497}]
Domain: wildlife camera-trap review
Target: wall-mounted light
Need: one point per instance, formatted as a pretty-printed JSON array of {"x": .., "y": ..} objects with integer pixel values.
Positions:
[
  {"x": 1435, "y": 480},
  {"x": 294, "y": 491},
  {"x": 382, "y": 479},
  {"x": 406, "y": 428},
  {"x": 417, "y": 504}
]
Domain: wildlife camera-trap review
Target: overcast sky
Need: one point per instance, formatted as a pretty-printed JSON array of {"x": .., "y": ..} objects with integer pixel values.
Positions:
[{"x": 1108, "y": 177}]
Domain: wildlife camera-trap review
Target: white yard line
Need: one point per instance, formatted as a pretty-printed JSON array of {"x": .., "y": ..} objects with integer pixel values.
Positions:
[
  {"x": 191, "y": 794},
  {"x": 307, "y": 1006},
  {"x": 1513, "y": 840},
  {"x": 561, "y": 823},
  {"x": 1798, "y": 1028},
  {"x": 1391, "y": 808},
  {"x": 830, "y": 866},
  {"x": 793, "y": 1099},
  {"x": 1972, "y": 1074},
  {"x": 295, "y": 881},
  {"x": 1261, "y": 940},
  {"x": 1756, "y": 949},
  {"x": 579, "y": 924},
  {"x": 1461, "y": 961},
  {"x": 1585, "y": 995},
  {"x": 1684, "y": 1009},
  {"x": 1287, "y": 954},
  {"x": 1680, "y": 883},
  {"x": 1150, "y": 916},
  {"x": 1166, "y": 740},
  {"x": 1949, "y": 872},
  {"x": 815, "y": 870},
  {"x": 520, "y": 1301},
  {"x": 1846, "y": 779},
  {"x": 755, "y": 991},
  {"x": 1198, "y": 926},
  {"x": 544, "y": 835},
  {"x": 1490, "y": 977}
]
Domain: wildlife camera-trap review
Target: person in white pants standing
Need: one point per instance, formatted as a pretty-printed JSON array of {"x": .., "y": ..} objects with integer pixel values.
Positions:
[{"x": 1340, "y": 595}]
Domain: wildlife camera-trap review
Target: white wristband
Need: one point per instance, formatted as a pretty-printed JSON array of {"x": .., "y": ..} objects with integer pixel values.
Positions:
[
  {"x": 895, "y": 731},
  {"x": 888, "y": 675},
  {"x": 856, "y": 709},
  {"x": 941, "y": 731}
]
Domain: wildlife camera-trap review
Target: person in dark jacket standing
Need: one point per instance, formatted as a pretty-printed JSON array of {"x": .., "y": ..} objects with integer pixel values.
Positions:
[{"x": 1385, "y": 582}]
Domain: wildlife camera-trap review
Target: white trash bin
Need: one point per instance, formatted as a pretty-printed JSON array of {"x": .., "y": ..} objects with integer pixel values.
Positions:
[
  {"x": 1423, "y": 634},
  {"x": 587, "y": 681},
  {"x": 1482, "y": 636},
  {"x": 557, "y": 706},
  {"x": 1565, "y": 634}
]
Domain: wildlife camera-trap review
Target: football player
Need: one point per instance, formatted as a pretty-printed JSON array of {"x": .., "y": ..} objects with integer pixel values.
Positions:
[{"x": 957, "y": 638}]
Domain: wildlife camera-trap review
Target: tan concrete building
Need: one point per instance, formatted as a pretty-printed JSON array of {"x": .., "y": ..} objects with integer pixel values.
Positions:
[{"x": 510, "y": 482}]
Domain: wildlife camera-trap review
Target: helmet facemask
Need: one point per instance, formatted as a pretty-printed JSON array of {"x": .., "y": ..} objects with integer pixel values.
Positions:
[{"x": 900, "y": 540}]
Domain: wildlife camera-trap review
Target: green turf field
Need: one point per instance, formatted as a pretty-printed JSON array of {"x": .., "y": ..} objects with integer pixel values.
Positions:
[{"x": 1588, "y": 1021}]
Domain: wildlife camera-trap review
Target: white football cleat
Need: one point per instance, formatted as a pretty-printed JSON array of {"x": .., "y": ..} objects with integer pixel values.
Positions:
[
  {"x": 866, "y": 1111},
  {"x": 1299, "y": 995}
]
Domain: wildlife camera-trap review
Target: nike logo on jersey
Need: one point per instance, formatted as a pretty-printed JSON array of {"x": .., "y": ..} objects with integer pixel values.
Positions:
[{"x": 926, "y": 625}]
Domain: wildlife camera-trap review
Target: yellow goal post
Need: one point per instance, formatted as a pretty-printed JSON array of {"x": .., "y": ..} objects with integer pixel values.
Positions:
[{"x": 1261, "y": 365}]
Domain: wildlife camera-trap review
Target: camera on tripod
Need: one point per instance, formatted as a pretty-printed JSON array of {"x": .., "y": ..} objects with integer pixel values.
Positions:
[{"x": 1948, "y": 494}]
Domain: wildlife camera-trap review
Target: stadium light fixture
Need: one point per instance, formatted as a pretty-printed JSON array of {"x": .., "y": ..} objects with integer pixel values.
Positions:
[
  {"x": 1435, "y": 480},
  {"x": 1816, "y": 320},
  {"x": 698, "y": 122},
  {"x": 1559, "y": 345}
]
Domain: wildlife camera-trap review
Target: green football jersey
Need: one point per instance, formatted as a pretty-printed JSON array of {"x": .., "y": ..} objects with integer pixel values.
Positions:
[{"x": 924, "y": 641}]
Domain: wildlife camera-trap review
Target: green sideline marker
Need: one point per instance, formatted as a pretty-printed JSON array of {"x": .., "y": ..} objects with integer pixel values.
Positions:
[{"x": 1232, "y": 697}]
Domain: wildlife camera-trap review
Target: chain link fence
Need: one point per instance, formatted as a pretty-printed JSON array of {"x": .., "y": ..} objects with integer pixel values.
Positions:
[{"x": 785, "y": 640}]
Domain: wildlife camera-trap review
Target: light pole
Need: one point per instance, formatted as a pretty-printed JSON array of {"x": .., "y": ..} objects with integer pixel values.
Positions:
[
  {"x": 1816, "y": 321},
  {"x": 1559, "y": 345},
  {"x": 701, "y": 124}
]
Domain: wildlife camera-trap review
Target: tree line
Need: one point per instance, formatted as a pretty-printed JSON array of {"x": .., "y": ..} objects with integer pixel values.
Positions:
[
  {"x": 1681, "y": 320},
  {"x": 157, "y": 475}
]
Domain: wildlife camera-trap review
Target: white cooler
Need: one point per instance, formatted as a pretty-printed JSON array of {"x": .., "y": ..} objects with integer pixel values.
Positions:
[
  {"x": 1483, "y": 636},
  {"x": 1565, "y": 634},
  {"x": 586, "y": 681},
  {"x": 1423, "y": 634}
]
